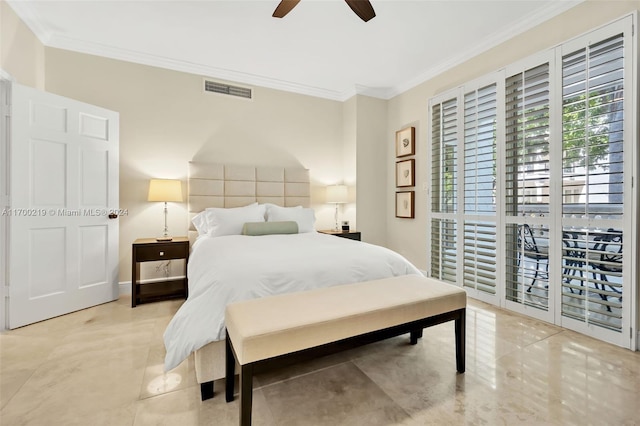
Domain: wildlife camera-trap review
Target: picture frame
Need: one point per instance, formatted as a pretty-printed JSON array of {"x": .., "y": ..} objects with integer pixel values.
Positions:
[
  {"x": 405, "y": 204},
  {"x": 406, "y": 142},
  {"x": 405, "y": 173}
]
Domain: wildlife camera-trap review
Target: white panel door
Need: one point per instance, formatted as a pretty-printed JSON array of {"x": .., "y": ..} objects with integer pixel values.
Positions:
[{"x": 63, "y": 226}]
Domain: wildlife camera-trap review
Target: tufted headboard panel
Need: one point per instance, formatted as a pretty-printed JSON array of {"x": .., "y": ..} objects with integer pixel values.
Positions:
[{"x": 222, "y": 185}]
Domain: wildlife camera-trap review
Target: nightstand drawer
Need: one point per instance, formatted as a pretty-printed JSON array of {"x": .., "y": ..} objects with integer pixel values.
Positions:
[{"x": 160, "y": 251}]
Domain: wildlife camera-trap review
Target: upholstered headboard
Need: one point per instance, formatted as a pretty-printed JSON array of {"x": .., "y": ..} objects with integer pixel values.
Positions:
[{"x": 223, "y": 185}]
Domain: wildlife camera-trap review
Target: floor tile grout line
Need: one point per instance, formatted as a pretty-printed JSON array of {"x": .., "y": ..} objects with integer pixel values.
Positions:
[
  {"x": 519, "y": 348},
  {"x": 18, "y": 390},
  {"x": 386, "y": 393}
]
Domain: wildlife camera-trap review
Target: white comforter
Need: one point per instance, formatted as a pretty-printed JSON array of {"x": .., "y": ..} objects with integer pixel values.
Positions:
[{"x": 227, "y": 269}]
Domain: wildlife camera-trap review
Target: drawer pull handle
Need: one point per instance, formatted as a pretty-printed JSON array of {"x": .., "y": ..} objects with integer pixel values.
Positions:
[{"x": 161, "y": 253}]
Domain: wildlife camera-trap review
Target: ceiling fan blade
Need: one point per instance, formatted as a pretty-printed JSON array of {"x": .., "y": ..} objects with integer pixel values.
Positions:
[
  {"x": 284, "y": 7},
  {"x": 362, "y": 8}
]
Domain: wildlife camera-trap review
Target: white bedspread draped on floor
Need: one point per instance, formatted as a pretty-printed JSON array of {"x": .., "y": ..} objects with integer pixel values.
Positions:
[{"x": 227, "y": 269}]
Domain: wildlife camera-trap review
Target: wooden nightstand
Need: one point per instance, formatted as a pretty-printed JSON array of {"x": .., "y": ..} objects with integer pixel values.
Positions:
[
  {"x": 147, "y": 250},
  {"x": 352, "y": 235}
]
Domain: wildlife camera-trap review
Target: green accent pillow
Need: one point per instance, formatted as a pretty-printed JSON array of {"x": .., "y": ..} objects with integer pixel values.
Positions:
[{"x": 269, "y": 228}]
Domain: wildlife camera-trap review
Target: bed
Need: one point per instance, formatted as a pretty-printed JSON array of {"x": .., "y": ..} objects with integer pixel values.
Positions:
[{"x": 226, "y": 266}]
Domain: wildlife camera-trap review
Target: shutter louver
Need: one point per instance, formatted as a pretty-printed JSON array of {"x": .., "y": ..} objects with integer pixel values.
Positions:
[
  {"x": 444, "y": 122},
  {"x": 527, "y": 142},
  {"x": 444, "y": 249},
  {"x": 480, "y": 114},
  {"x": 480, "y": 256},
  {"x": 445, "y": 157}
]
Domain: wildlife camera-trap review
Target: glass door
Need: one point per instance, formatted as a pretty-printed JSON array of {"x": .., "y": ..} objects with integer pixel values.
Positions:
[
  {"x": 527, "y": 192},
  {"x": 594, "y": 179},
  {"x": 532, "y": 205},
  {"x": 480, "y": 216}
]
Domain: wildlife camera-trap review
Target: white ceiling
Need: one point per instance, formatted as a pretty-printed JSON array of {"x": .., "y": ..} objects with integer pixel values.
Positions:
[{"x": 321, "y": 48}]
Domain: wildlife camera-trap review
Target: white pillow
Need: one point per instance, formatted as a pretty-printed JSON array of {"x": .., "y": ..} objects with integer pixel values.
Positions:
[
  {"x": 304, "y": 217},
  {"x": 269, "y": 206},
  {"x": 200, "y": 223},
  {"x": 230, "y": 221}
]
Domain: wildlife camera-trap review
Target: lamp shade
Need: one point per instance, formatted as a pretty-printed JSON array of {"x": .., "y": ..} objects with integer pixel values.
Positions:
[
  {"x": 337, "y": 194},
  {"x": 165, "y": 190}
]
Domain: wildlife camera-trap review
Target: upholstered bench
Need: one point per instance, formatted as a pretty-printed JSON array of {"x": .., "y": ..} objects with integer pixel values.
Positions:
[{"x": 264, "y": 333}]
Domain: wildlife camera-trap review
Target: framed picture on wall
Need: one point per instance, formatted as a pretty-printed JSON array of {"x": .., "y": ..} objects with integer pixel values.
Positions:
[
  {"x": 405, "y": 203},
  {"x": 405, "y": 173},
  {"x": 405, "y": 142}
]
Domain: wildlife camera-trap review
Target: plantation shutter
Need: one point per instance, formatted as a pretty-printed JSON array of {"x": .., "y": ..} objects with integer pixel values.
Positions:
[
  {"x": 527, "y": 142},
  {"x": 593, "y": 196},
  {"x": 444, "y": 176},
  {"x": 480, "y": 112},
  {"x": 531, "y": 202},
  {"x": 527, "y": 180},
  {"x": 592, "y": 130}
]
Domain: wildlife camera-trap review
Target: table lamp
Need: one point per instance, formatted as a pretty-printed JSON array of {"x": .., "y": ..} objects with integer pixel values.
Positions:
[
  {"x": 165, "y": 190},
  {"x": 337, "y": 194}
]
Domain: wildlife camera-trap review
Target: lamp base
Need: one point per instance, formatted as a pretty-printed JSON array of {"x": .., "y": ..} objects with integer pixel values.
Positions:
[{"x": 164, "y": 238}]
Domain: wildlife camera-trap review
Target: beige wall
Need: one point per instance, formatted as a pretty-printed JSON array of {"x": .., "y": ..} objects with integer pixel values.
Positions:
[
  {"x": 408, "y": 237},
  {"x": 349, "y": 150},
  {"x": 166, "y": 121},
  {"x": 21, "y": 53},
  {"x": 371, "y": 141}
]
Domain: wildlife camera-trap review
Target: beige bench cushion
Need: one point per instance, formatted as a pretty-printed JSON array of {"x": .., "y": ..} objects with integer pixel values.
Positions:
[{"x": 277, "y": 325}]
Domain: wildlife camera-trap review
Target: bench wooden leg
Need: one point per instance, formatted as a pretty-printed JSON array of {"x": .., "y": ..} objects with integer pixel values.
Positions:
[
  {"x": 460, "y": 340},
  {"x": 415, "y": 335},
  {"x": 230, "y": 370},
  {"x": 246, "y": 394}
]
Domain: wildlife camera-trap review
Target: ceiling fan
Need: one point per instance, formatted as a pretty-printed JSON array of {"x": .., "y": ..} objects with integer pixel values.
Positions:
[{"x": 362, "y": 8}]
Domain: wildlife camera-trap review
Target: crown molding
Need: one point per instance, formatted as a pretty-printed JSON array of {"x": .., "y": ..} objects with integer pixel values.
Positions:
[
  {"x": 66, "y": 43},
  {"x": 31, "y": 19},
  {"x": 476, "y": 49},
  {"x": 374, "y": 92}
]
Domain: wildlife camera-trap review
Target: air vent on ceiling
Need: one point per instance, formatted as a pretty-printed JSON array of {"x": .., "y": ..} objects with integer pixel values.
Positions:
[{"x": 226, "y": 89}]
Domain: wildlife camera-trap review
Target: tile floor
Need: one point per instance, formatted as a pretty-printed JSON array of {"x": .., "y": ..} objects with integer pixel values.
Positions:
[{"x": 103, "y": 366}]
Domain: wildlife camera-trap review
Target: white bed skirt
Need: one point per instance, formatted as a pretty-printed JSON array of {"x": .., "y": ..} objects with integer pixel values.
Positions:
[{"x": 209, "y": 361}]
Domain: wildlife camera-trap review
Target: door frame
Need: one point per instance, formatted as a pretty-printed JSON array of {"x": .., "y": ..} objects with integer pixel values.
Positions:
[{"x": 5, "y": 95}]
